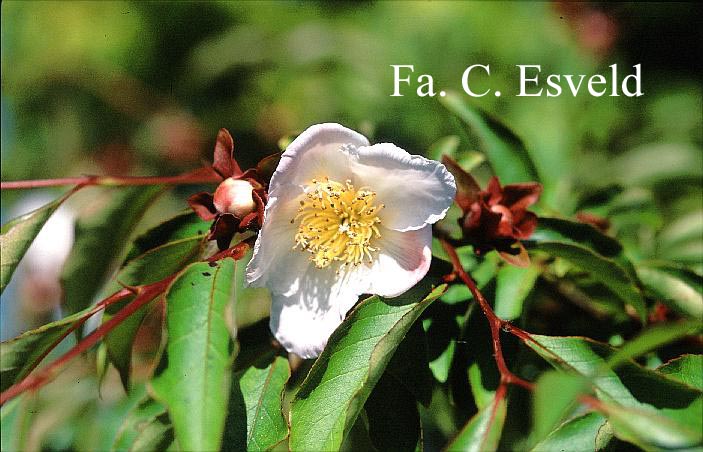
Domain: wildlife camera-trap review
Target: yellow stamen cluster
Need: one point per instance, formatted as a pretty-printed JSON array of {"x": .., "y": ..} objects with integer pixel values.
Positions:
[{"x": 337, "y": 223}]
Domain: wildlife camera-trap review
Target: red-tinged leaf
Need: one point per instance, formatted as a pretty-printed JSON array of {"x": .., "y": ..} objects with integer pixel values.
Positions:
[{"x": 223, "y": 161}]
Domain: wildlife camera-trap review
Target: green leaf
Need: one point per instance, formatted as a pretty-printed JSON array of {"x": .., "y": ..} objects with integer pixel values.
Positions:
[
  {"x": 686, "y": 369},
  {"x": 119, "y": 341},
  {"x": 17, "y": 417},
  {"x": 505, "y": 151},
  {"x": 677, "y": 286},
  {"x": 137, "y": 421},
  {"x": 651, "y": 430},
  {"x": 685, "y": 228},
  {"x": 482, "y": 372},
  {"x": 184, "y": 227},
  {"x": 554, "y": 398},
  {"x": 652, "y": 338},
  {"x": 255, "y": 420},
  {"x": 634, "y": 397},
  {"x": 340, "y": 381},
  {"x": 551, "y": 229},
  {"x": 20, "y": 355},
  {"x": 587, "y": 248},
  {"x": 195, "y": 382},
  {"x": 660, "y": 162},
  {"x": 587, "y": 432},
  {"x": 156, "y": 435},
  {"x": 483, "y": 431},
  {"x": 441, "y": 365},
  {"x": 394, "y": 421},
  {"x": 513, "y": 285},
  {"x": 605, "y": 270},
  {"x": 253, "y": 304},
  {"x": 17, "y": 235},
  {"x": 100, "y": 239},
  {"x": 159, "y": 252}
]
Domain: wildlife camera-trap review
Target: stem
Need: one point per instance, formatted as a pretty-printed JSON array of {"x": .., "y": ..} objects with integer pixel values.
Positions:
[
  {"x": 144, "y": 294},
  {"x": 200, "y": 176},
  {"x": 114, "y": 298},
  {"x": 496, "y": 323}
]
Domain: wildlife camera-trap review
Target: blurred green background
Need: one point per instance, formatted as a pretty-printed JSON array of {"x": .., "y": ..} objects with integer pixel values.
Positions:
[{"x": 142, "y": 88}]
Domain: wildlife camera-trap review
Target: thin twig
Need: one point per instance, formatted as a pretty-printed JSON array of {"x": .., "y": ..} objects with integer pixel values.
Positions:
[
  {"x": 103, "y": 304},
  {"x": 496, "y": 323},
  {"x": 200, "y": 176},
  {"x": 36, "y": 381},
  {"x": 144, "y": 294}
]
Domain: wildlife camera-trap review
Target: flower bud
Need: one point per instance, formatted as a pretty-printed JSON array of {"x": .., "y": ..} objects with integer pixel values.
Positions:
[{"x": 234, "y": 196}]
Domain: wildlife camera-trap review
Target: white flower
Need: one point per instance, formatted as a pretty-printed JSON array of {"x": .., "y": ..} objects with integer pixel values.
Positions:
[{"x": 344, "y": 218}]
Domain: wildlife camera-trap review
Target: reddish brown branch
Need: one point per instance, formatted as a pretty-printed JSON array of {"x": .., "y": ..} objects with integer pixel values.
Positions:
[
  {"x": 114, "y": 298},
  {"x": 144, "y": 294},
  {"x": 36, "y": 381},
  {"x": 200, "y": 176},
  {"x": 496, "y": 323}
]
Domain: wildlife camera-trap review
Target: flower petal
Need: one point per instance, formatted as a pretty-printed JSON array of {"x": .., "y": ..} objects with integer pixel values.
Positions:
[
  {"x": 416, "y": 191},
  {"x": 276, "y": 237},
  {"x": 304, "y": 318},
  {"x": 316, "y": 153},
  {"x": 403, "y": 260}
]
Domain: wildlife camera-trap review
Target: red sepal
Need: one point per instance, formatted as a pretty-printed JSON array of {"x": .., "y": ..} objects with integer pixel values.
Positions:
[
  {"x": 202, "y": 204},
  {"x": 223, "y": 159}
]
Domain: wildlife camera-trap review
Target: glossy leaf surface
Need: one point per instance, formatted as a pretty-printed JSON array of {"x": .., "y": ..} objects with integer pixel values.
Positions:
[
  {"x": 255, "y": 421},
  {"x": 483, "y": 431},
  {"x": 101, "y": 236},
  {"x": 327, "y": 404},
  {"x": 505, "y": 151},
  {"x": 17, "y": 235},
  {"x": 197, "y": 355}
]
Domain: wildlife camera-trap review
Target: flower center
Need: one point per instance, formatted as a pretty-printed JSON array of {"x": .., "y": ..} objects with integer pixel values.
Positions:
[{"x": 337, "y": 223}]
